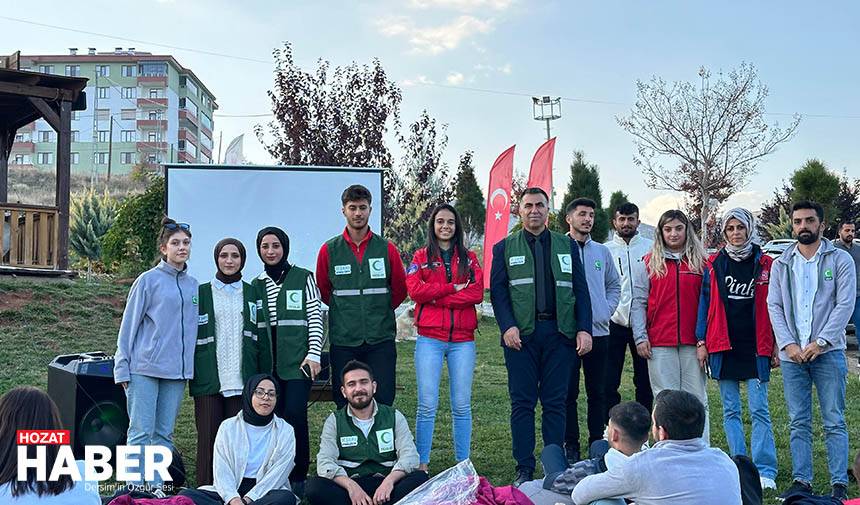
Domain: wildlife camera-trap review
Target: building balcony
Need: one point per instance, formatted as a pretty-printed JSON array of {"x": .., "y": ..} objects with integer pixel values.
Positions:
[
  {"x": 150, "y": 80},
  {"x": 205, "y": 131},
  {"x": 26, "y": 147},
  {"x": 152, "y": 124},
  {"x": 188, "y": 116},
  {"x": 206, "y": 151},
  {"x": 185, "y": 157},
  {"x": 151, "y": 146},
  {"x": 186, "y": 134},
  {"x": 157, "y": 103}
]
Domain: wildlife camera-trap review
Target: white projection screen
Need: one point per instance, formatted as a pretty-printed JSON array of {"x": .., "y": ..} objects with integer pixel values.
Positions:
[{"x": 221, "y": 201}]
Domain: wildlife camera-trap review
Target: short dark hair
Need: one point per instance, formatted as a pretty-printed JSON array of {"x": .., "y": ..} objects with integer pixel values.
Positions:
[
  {"x": 846, "y": 223},
  {"x": 680, "y": 413},
  {"x": 627, "y": 209},
  {"x": 808, "y": 204},
  {"x": 584, "y": 202},
  {"x": 353, "y": 365},
  {"x": 633, "y": 419},
  {"x": 355, "y": 193},
  {"x": 534, "y": 191}
]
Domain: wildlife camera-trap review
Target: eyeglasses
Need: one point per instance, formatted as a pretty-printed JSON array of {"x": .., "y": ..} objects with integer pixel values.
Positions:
[
  {"x": 262, "y": 393},
  {"x": 177, "y": 226}
]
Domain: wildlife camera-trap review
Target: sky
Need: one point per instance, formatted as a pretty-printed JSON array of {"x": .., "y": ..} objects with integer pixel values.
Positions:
[{"x": 442, "y": 52}]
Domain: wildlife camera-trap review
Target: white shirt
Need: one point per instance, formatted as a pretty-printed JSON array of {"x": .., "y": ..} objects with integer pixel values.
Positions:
[
  {"x": 363, "y": 424},
  {"x": 804, "y": 285},
  {"x": 258, "y": 446},
  {"x": 227, "y": 302}
]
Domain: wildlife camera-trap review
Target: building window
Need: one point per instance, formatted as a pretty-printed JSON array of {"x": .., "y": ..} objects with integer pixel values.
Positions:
[
  {"x": 100, "y": 158},
  {"x": 188, "y": 105},
  {"x": 104, "y": 92},
  {"x": 153, "y": 137},
  {"x": 46, "y": 69},
  {"x": 153, "y": 69},
  {"x": 45, "y": 136},
  {"x": 45, "y": 158},
  {"x": 181, "y": 145},
  {"x": 156, "y": 93},
  {"x": 207, "y": 121},
  {"x": 103, "y": 70},
  {"x": 104, "y": 135},
  {"x": 152, "y": 158},
  {"x": 75, "y": 115},
  {"x": 127, "y": 136},
  {"x": 126, "y": 158},
  {"x": 206, "y": 141},
  {"x": 154, "y": 114},
  {"x": 129, "y": 70},
  {"x": 19, "y": 159},
  {"x": 129, "y": 92},
  {"x": 73, "y": 70},
  {"x": 76, "y": 157},
  {"x": 19, "y": 137},
  {"x": 189, "y": 86},
  {"x": 76, "y": 136},
  {"x": 128, "y": 114},
  {"x": 102, "y": 114}
]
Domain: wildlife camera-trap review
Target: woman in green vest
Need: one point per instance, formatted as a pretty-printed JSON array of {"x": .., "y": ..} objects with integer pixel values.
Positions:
[
  {"x": 291, "y": 308},
  {"x": 228, "y": 349}
]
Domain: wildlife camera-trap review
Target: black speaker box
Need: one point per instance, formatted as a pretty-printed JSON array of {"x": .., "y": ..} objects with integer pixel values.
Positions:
[{"x": 91, "y": 406}]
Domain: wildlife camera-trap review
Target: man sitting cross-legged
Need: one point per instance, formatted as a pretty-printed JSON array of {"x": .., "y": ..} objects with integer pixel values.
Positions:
[
  {"x": 680, "y": 469},
  {"x": 629, "y": 424},
  {"x": 367, "y": 455}
]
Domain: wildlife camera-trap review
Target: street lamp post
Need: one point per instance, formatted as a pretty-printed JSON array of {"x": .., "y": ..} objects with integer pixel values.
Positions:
[{"x": 545, "y": 108}]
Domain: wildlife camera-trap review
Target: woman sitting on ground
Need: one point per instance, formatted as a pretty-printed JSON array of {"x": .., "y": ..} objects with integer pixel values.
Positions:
[
  {"x": 29, "y": 408},
  {"x": 254, "y": 453}
]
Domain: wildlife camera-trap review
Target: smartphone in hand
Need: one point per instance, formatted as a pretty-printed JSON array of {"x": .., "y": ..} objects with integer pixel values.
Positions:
[{"x": 306, "y": 369}]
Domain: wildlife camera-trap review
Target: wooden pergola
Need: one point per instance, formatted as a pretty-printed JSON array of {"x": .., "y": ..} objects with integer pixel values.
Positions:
[{"x": 36, "y": 238}]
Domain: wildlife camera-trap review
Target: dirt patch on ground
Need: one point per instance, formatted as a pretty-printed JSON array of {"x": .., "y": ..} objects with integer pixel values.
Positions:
[
  {"x": 14, "y": 300},
  {"x": 118, "y": 302}
]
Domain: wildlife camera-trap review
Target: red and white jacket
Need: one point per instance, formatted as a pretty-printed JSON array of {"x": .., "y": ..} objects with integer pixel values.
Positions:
[
  {"x": 665, "y": 309},
  {"x": 440, "y": 311}
]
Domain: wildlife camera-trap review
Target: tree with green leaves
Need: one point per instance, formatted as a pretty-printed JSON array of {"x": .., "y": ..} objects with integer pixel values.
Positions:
[
  {"x": 91, "y": 217},
  {"x": 584, "y": 182},
  {"x": 813, "y": 181},
  {"x": 615, "y": 200},
  {"x": 470, "y": 200},
  {"x": 781, "y": 228},
  {"x": 130, "y": 245}
]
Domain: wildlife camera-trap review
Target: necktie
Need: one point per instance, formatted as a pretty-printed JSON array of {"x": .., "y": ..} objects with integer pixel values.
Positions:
[{"x": 540, "y": 277}]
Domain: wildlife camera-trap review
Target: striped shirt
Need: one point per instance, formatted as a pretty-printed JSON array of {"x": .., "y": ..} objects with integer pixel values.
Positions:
[{"x": 313, "y": 313}]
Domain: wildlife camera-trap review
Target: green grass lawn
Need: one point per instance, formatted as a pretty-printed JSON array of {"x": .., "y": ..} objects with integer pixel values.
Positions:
[{"x": 41, "y": 319}]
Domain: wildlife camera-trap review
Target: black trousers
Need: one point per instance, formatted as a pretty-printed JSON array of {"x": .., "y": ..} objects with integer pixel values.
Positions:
[
  {"x": 381, "y": 357},
  {"x": 279, "y": 497},
  {"x": 292, "y": 407},
  {"x": 539, "y": 370},
  {"x": 322, "y": 491},
  {"x": 209, "y": 412},
  {"x": 620, "y": 340},
  {"x": 594, "y": 364}
]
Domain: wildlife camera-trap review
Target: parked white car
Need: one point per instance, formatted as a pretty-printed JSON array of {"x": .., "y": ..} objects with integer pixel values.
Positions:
[{"x": 776, "y": 247}]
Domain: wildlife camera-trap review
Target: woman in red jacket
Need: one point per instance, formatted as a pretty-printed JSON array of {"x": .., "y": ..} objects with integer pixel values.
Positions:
[
  {"x": 665, "y": 306},
  {"x": 445, "y": 282}
]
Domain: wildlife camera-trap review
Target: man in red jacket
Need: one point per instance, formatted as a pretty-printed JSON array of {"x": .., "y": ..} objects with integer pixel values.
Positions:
[{"x": 361, "y": 278}]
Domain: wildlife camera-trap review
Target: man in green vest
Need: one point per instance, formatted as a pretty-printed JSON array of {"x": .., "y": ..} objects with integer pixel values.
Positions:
[
  {"x": 541, "y": 303},
  {"x": 367, "y": 454},
  {"x": 361, "y": 278}
]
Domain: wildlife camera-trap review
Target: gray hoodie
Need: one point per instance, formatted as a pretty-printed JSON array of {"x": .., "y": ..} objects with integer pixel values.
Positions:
[
  {"x": 159, "y": 326},
  {"x": 831, "y": 308},
  {"x": 604, "y": 284}
]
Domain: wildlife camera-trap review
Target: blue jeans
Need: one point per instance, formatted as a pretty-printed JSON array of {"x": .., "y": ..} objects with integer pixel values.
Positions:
[
  {"x": 153, "y": 405},
  {"x": 856, "y": 319},
  {"x": 827, "y": 374},
  {"x": 763, "y": 446},
  {"x": 429, "y": 355}
]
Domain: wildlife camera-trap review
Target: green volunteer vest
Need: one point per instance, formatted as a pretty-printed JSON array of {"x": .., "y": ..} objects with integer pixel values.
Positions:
[
  {"x": 521, "y": 283},
  {"x": 292, "y": 322},
  {"x": 205, "y": 381},
  {"x": 362, "y": 456},
  {"x": 360, "y": 305}
]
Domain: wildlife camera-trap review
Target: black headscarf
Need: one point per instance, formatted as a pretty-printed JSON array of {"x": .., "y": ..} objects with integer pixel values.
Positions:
[
  {"x": 221, "y": 276},
  {"x": 278, "y": 271},
  {"x": 248, "y": 413}
]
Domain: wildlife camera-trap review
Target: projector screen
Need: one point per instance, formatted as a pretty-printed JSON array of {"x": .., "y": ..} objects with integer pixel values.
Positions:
[{"x": 221, "y": 201}]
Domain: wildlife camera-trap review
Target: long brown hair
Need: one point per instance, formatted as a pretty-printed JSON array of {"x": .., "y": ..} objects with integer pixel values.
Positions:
[
  {"x": 464, "y": 269},
  {"x": 28, "y": 408},
  {"x": 693, "y": 253}
]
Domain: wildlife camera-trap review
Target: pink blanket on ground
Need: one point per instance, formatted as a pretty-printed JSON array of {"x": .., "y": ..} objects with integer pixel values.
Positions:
[{"x": 505, "y": 495}]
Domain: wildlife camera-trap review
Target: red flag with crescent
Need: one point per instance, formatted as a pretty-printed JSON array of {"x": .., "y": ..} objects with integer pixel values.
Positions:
[
  {"x": 540, "y": 174},
  {"x": 498, "y": 207}
]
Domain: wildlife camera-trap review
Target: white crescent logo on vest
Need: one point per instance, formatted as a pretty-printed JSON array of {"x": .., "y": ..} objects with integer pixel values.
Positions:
[
  {"x": 294, "y": 299},
  {"x": 385, "y": 440},
  {"x": 564, "y": 262},
  {"x": 377, "y": 268}
]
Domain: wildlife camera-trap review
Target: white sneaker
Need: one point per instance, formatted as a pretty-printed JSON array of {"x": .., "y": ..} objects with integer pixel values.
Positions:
[{"x": 767, "y": 483}]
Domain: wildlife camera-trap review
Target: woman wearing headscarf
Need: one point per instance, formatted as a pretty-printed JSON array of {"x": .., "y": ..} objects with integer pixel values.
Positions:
[
  {"x": 733, "y": 322},
  {"x": 291, "y": 307},
  {"x": 228, "y": 349},
  {"x": 254, "y": 452}
]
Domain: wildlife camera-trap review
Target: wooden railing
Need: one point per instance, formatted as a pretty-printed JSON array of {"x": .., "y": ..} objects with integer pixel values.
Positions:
[{"x": 28, "y": 236}]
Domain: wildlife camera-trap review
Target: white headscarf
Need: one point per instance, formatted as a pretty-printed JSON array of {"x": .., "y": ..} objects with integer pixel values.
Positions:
[{"x": 740, "y": 253}]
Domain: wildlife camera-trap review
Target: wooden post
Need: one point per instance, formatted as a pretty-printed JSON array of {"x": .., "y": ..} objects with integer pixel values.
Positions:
[
  {"x": 64, "y": 155},
  {"x": 4, "y": 170}
]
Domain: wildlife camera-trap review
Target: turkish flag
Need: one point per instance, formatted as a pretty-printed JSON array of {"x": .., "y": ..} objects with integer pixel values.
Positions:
[
  {"x": 498, "y": 207},
  {"x": 540, "y": 174}
]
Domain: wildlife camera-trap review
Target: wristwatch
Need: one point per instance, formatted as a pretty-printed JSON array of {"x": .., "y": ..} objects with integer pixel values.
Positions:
[
  {"x": 821, "y": 342},
  {"x": 700, "y": 343}
]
